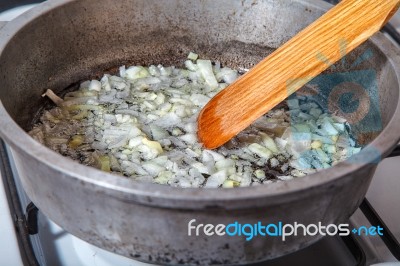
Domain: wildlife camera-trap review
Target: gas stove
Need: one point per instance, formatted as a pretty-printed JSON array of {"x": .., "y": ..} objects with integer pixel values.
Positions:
[{"x": 30, "y": 238}]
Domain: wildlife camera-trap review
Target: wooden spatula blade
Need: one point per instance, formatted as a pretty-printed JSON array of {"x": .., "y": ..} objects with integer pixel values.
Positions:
[{"x": 290, "y": 67}]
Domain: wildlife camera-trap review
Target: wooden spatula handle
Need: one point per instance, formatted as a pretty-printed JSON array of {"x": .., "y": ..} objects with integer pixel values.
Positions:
[{"x": 290, "y": 67}]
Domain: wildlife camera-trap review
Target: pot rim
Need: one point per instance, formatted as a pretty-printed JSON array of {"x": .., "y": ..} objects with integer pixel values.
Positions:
[{"x": 187, "y": 198}]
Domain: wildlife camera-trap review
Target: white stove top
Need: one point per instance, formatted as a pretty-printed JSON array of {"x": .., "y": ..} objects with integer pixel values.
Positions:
[
  {"x": 9, "y": 250},
  {"x": 15, "y": 12}
]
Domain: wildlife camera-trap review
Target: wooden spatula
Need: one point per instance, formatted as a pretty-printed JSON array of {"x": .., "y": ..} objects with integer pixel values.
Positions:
[{"x": 290, "y": 67}]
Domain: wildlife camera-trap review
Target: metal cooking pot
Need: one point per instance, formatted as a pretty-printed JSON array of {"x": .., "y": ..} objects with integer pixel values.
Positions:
[{"x": 65, "y": 41}]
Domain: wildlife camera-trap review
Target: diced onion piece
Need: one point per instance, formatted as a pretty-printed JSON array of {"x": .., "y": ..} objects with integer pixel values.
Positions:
[
  {"x": 269, "y": 143},
  {"x": 158, "y": 133},
  {"x": 153, "y": 168},
  {"x": 303, "y": 128},
  {"x": 95, "y": 85},
  {"x": 227, "y": 75},
  {"x": 274, "y": 162},
  {"x": 76, "y": 141},
  {"x": 193, "y": 56},
  {"x": 153, "y": 145},
  {"x": 260, "y": 150},
  {"x": 169, "y": 120},
  {"x": 205, "y": 68},
  {"x": 191, "y": 66},
  {"x": 339, "y": 126},
  {"x": 81, "y": 115},
  {"x": 230, "y": 184},
  {"x": 316, "y": 112},
  {"x": 215, "y": 155},
  {"x": 122, "y": 71},
  {"x": 216, "y": 180},
  {"x": 163, "y": 177},
  {"x": 260, "y": 174},
  {"x": 136, "y": 72},
  {"x": 190, "y": 127},
  {"x": 189, "y": 138},
  {"x": 293, "y": 103},
  {"x": 281, "y": 143},
  {"x": 224, "y": 164},
  {"x": 329, "y": 148},
  {"x": 199, "y": 99},
  {"x": 329, "y": 128},
  {"x": 316, "y": 144},
  {"x": 322, "y": 156},
  {"x": 57, "y": 100},
  {"x": 104, "y": 162},
  {"x": 201, "y": 168}
]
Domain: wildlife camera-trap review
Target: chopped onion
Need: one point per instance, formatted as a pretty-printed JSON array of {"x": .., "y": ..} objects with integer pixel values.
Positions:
[
  {"x": 206, "y": 70},
  {"x": 143, "y": 124}
]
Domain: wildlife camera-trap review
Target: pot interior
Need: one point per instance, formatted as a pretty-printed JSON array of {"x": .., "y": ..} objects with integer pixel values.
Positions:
[{"x": 83, "y": 39}]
